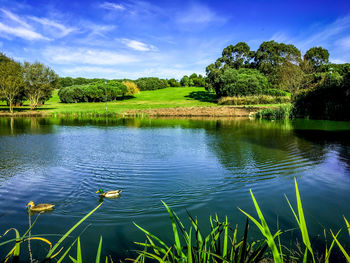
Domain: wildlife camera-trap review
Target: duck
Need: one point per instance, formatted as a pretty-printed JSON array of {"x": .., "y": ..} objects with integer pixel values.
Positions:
[
  {"x": 109, "y": 194},
  {"x": 39, "y": 207}
]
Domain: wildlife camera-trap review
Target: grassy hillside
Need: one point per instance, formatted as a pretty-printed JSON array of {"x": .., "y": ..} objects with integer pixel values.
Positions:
[{"x": 164, "y": 98}]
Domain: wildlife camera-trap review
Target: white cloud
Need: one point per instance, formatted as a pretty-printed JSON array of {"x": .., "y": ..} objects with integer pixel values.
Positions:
[
  {"x": 198, "y": 14},
  {"x": 137, "y": 45},
  {"x": 83, "y": 56},
  {"x": 344, "y": 43},
  {"x": 112, "y": 6},
  {"x": 63, "y": 30},
  {"x": 21, "y": 32},
  {"x": 15, "y": 18}
]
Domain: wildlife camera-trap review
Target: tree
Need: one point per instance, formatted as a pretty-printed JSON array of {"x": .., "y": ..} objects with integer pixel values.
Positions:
[
  {"x": 173, "y": 83},
  {"x": 11, "y": 81},
  {"x": 132, "y": 88},
  {"x": 237, "y": 56},
  {"x": 271, "y": 55},
  {"x": 290, "y": 77},
  {"x": 39, "y": 82},
  {"x": 318, "y": 56},
  {"x": 185, "y": 81}
]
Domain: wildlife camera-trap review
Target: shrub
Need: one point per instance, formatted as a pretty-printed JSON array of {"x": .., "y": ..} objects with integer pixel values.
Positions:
[
  {"x": 94, "y": 92},
  {"x": 250, "y": 100},
  {"x": 151, "y": 83},
  {"x": 283, "y": 112},
  {"x": 242, "y": 82},
  {"x": 276, "y": 92},
  {"x": 131, "y": 87},
  {"x": 329, "y": 99}
]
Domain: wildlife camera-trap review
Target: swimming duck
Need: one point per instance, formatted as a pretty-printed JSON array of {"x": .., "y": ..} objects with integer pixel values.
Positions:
[
  {"x": 39, "y": 207},
  {"x": 109, "y": 194}
]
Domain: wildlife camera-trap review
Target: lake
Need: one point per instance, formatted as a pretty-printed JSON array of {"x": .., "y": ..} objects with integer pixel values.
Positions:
[{"x": 204, "y": 166}]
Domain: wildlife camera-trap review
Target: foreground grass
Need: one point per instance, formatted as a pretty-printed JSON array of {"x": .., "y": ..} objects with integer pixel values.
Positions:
[{"x": 146, "y": 100}]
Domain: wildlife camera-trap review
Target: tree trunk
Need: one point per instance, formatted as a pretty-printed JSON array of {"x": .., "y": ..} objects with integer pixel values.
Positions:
[{"x": 11, "y": 106}]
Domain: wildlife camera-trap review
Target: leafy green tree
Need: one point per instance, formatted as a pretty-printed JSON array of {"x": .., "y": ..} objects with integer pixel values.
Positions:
[
  {"x": 290, "y": 77},
  {"x": 318, "y": 56},
  {"x": 271, "y": 55},
  {"x": 185, "y": 81},
  {"x": 66, "y": 82},
  {"x": 237, "y": 56},
  {"x": 11, "y": 81},
  {"x": 174, "y": 83},
  {"x": 39, "y": 82}
]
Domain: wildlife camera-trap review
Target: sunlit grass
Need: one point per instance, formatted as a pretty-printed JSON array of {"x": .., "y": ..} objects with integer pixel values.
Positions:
[{"x": 145, "y": 100}]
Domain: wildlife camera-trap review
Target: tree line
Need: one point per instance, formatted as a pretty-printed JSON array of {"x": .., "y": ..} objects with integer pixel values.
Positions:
[
  {"x": 28, "y": 81},
  {"x": 319, "y": 89}
]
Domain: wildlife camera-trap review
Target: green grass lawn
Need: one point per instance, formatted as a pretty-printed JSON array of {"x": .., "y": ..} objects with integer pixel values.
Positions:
[{"x": 163, "y": 98}]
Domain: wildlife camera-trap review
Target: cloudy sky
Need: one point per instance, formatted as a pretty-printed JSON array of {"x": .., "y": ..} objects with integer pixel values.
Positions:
[{"x": 130, "y": 38}]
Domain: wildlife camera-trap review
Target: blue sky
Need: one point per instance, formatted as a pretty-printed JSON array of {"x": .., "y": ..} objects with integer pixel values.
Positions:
[{"x": 131, "y": 39}]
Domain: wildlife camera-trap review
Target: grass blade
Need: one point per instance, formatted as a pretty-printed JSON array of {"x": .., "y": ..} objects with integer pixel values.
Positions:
[
  {"x": 98, "y": 254},
  {"x": 176, "y": 234},
  {"x": 347, "y": 225},
  {"x": 341, "y": 248},
  {"x": 51, "y": 251},
  {"x": 264, "y": 230},
  {"x": 79, "y": 259}
]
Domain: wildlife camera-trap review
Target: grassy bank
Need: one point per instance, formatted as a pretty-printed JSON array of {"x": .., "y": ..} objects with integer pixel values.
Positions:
[{"x": 147, "y": 100}]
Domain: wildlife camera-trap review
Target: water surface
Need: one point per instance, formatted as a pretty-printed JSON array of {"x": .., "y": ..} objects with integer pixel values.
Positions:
[{"x": 203, "y": 165}]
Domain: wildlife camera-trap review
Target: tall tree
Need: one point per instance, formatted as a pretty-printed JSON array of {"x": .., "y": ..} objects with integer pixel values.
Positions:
[
  {"x": 40, "y": 81},
  {"x": 318, "y": 56},
  {"x": 11, "y": 81},
  {"x": 271, "y": 55},
  {"x": 237, "y": 56}
]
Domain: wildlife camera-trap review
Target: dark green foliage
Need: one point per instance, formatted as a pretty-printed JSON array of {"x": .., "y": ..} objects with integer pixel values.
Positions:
[
  {"x": 329, "y": 99},
  {"x": 68, "y": 81},
  {"x": 240, "y": 82},
  {"x": 173, "y": 83},
  {"x": 318, "y": 56},
  {"x": 185, "y": 81},
  {"x": 276, "y": 92},
  {"x": 271, "y": 55},
  {"x": 151, "y": 83},
  {"x": 94, "y": 92}
]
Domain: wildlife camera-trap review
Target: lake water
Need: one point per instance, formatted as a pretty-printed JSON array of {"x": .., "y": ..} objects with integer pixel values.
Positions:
[{"x": 203, "y": 165}]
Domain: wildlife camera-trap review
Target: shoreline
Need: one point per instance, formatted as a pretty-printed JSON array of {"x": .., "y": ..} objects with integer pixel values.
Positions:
[{"x": 195, "y": 111}]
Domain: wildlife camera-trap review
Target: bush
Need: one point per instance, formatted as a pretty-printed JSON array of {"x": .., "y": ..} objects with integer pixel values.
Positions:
[
  {"x": 329, "y": 99},
  {"x": 281, "y": 113},
  {"x": 151, "y": 83},
  {"x": 94, "y": 92},
  {"x": 251, "y": 100},
  {"x": 233, "y": 82},
  {"x": 276, "y": 92},
  {"x": 131, "y": 87}
]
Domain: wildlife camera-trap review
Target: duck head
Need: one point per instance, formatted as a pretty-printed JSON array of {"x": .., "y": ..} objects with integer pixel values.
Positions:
[
  {"x": 31, "y": 203},
  {"x": 99, "y": 191}
]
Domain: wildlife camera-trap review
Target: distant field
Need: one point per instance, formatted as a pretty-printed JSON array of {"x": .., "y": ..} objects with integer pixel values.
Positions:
[
  {"x": 147, "y": 100},
  {"x": 163, "y": 98}
]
